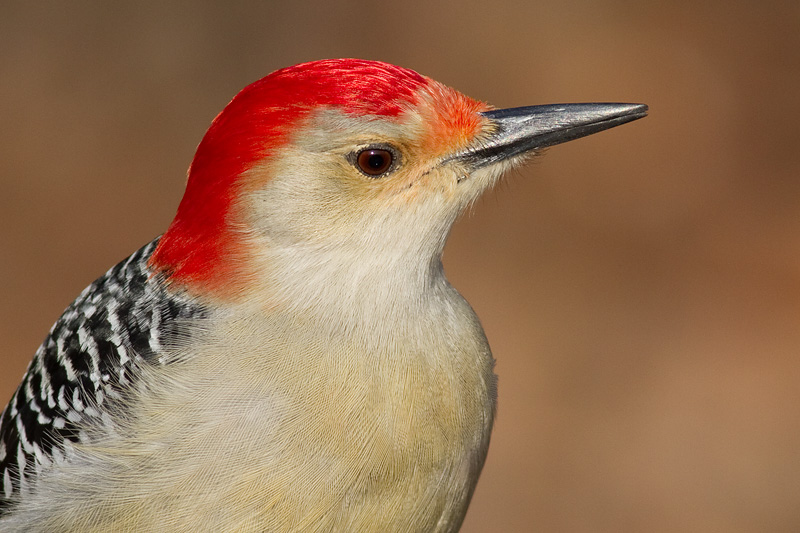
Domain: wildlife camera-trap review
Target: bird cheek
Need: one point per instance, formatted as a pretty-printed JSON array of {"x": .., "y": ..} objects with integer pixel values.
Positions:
[
  {"x": 446, "y": 177},
  {"x": 477, "y": 182},
  {"x": 434, "y": 182}
]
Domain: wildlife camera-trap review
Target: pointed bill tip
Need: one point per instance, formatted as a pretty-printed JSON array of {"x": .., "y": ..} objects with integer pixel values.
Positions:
[{"x": 521, "y": 129}]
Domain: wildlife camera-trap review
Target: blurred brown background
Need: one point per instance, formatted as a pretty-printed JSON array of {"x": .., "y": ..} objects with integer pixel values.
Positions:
[{"x": 640, "y": 288}]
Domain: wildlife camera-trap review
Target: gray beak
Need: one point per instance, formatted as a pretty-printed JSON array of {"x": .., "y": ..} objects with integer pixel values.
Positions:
[{"x": 521, "y": 129}]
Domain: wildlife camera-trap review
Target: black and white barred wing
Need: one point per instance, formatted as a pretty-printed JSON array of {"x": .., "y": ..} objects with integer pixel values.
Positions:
[{"x": 123, "y": 320}]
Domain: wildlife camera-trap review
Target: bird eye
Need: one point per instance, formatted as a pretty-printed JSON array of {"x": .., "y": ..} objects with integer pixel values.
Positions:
[{"x": 374, "y": 161}]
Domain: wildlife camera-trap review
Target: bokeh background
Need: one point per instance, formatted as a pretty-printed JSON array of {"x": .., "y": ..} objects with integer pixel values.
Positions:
[{"x": 640, "y": 288}]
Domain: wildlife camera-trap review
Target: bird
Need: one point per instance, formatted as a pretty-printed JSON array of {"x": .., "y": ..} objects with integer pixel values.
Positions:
[{"x": 288, "y": 355}]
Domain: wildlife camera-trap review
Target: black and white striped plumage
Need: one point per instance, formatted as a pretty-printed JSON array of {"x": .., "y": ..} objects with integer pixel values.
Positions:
[{"x": 122, "y": 321}]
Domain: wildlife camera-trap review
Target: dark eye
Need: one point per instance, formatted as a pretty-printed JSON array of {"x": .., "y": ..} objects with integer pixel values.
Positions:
[{"x": 374, "y": 161}]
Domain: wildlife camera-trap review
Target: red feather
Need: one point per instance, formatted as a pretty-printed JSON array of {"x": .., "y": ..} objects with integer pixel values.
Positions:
[{"x": 201, "y": 248}]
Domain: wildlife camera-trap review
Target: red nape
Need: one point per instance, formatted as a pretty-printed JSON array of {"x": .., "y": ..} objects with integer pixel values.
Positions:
[{"x": 202, "y": 250}]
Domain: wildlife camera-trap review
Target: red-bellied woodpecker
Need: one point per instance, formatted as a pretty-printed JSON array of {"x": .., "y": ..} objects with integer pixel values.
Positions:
[{"x": 288, "y": 356}]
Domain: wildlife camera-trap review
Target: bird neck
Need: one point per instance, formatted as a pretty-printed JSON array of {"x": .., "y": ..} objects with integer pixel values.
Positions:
[{"x": 357, "y": 285}]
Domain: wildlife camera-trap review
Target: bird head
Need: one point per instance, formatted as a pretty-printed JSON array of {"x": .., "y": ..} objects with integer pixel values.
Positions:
[{"x": 346, "y": 170}]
